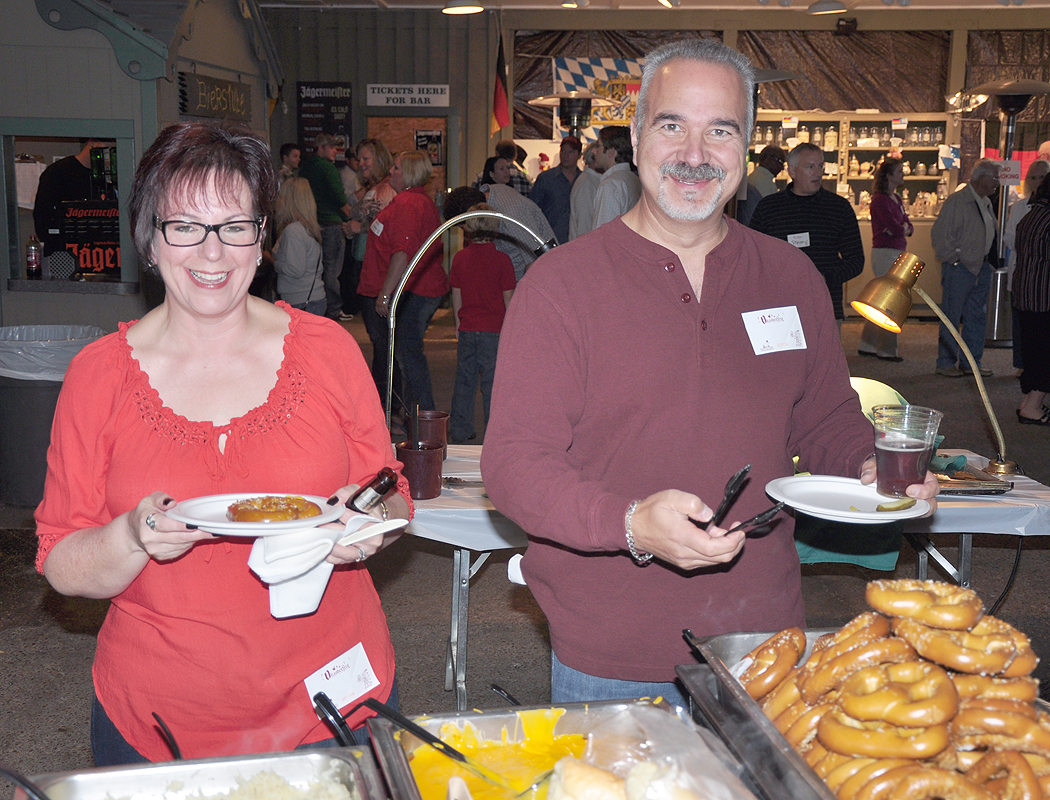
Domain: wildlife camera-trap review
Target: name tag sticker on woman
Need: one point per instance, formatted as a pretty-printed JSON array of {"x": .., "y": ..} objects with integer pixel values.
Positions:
[
  {"x": 800, "y": 240},
  {"x": 376, "y": 227},
  {"x": 774, "y": 330},
  {"x": 344, "y": 679}
]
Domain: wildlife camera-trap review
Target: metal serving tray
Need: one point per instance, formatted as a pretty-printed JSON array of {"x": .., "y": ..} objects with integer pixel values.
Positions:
[
  {"x": 354, "y": 767},
  {"x": 772, "y": 764},
  {"x": 392, "y": 745}
]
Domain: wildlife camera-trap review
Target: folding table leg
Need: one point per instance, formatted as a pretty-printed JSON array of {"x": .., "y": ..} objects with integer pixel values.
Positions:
[
  {"x": 924, "y": 549},
  {"x": 965, "y": 559},
  {"x": 455, "y": 664},
  {"x": 456, "y": 661}
]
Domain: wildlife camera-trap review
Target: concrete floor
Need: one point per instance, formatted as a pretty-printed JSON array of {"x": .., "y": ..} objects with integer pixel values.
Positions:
[{"x": 47, "y": 641}]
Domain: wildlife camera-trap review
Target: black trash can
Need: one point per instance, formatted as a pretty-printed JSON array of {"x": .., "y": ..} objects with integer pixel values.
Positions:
[{"x": 33, "y": 362}]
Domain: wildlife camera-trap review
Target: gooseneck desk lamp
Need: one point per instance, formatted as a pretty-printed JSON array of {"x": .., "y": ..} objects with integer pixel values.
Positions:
[
  {"x": 886, "y": 302},
  {"x": 541, "y": 248}
]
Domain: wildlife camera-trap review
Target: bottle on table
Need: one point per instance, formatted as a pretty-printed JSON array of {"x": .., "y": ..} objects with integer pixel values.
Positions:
[{"x": 34, "y": 259}]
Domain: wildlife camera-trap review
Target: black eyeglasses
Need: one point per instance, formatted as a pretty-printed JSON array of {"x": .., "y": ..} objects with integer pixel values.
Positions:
[{"x": 236, "y": 233}]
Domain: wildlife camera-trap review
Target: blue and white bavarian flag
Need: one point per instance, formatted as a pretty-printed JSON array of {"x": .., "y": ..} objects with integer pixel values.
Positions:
[{"x": 616, "y": 79}]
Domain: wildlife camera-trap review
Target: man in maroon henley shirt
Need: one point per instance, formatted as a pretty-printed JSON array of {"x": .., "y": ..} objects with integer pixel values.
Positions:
[{"x": 639, "y": 367}]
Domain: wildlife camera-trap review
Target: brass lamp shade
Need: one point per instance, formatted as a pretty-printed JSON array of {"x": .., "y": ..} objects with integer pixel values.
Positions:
[{"x": 886, "y": 301}]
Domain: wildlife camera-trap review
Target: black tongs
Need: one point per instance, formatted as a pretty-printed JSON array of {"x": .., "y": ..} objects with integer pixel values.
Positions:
[{"x": 733, "y": 488}]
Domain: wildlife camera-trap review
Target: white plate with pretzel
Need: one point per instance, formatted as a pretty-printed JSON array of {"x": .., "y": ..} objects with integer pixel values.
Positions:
[{"x": 210, "y": 514}]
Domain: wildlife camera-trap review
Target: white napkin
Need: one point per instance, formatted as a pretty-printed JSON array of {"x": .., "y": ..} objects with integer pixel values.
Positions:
[{"x": 294, "y": 565}]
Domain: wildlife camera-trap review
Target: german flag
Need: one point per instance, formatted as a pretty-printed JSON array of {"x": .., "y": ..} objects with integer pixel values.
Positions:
[{"x": 500, "y": 106}]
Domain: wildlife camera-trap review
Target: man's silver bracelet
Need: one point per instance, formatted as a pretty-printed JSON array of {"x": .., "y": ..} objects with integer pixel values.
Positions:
[{"x": 641, "y": 559}]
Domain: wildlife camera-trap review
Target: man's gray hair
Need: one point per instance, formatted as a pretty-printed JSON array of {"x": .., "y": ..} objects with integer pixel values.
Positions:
[
  {"x": 985, "y": 168},
  {"x": 589, "y": 155},
  {"x": 709, "y": 51},
  {"x": 800, "y": 150}
]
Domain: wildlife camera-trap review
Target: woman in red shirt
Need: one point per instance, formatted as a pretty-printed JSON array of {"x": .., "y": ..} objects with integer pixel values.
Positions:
[
  {"x": 212, "y": 392},
  {"x": 394, "y": 238}
]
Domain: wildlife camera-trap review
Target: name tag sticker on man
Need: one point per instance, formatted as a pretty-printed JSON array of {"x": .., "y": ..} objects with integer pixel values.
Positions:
[
  {"x": 774, "y": 330},
  {"x": 344, "y": 679},
  {"x": 376, "y": 227},
  {"x": 800, "y": 240}
]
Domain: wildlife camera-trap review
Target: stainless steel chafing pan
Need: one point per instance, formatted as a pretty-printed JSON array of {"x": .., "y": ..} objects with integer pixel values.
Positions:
[
  {"x": 392, "y": 747},
  {"x": 723, "y": 705},
  {"x": 353, "y": 767}
]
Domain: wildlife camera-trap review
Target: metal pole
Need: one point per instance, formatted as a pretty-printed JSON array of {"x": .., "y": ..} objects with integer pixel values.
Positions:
[{"x": 541, "y": 247}]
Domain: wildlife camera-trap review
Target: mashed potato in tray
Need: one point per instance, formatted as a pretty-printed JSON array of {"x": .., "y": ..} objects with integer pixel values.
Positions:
[{"x": 269, "y": 785}]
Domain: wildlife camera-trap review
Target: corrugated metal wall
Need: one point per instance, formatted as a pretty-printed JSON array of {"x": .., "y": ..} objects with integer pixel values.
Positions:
[{"x": 378, "y": 46}]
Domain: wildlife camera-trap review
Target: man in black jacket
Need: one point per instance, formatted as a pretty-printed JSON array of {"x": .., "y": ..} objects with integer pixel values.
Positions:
[{"x": 818, "y": 222}]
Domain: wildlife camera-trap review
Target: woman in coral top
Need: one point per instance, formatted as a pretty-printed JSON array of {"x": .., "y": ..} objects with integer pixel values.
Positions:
[{"x": 212, "y": 392}]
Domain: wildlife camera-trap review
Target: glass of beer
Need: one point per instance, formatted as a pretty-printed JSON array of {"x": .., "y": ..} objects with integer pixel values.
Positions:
[{"x": 904, "y": 442}]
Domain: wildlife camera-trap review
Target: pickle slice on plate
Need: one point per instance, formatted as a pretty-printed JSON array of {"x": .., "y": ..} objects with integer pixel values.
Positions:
[{"x": 896, "y": 505}]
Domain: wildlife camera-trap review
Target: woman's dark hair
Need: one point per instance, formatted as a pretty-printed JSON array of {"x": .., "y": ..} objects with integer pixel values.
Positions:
[
  {"x": 461, "y": 199},
  {"x": 490, "y": 164},
  {"x": 184, "y": 159},
  {"x": 881, "y": 181}
]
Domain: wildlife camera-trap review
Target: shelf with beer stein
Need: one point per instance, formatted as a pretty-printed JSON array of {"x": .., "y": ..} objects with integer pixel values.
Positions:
[{"x": 787, "y": 129}]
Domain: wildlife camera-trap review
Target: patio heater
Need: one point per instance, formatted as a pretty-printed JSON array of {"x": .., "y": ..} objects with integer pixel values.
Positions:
[
  {"x": 574, "y": 108},
  {"x": 1014, "y": 97}
]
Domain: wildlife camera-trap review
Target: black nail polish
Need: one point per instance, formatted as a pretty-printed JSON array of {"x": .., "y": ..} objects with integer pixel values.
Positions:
[
  {"x": 190, "y": 527},
  {"x": 333, "y": 500}
]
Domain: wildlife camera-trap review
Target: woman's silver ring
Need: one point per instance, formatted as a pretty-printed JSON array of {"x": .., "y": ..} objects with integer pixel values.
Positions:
[
  {"x": 151, "y": 521},
  {"x": 360, "y": 550}
]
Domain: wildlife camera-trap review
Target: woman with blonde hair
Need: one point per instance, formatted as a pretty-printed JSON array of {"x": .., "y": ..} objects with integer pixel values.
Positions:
[
  {"x": 297, "y": 256},
  {"x": 373, "y": 165},
  {"x": 399, "y": 231}
]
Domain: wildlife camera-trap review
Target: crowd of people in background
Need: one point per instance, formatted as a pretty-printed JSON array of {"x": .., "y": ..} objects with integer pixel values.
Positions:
[
  {"x": 349, "y": 219},
  {"x": 333, "y": 207}
]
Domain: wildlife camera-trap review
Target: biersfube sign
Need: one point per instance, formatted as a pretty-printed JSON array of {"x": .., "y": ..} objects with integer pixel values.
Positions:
[
  {"x": 204, "y": 96},
  {"x": 408, "y": 95}
]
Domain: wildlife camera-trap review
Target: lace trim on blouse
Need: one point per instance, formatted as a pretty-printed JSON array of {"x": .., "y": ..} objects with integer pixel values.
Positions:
[{"x": 284, "y": 399}]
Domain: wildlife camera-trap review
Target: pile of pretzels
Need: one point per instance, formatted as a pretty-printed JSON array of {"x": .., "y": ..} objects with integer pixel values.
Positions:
[{"x": 923, "y": 697}]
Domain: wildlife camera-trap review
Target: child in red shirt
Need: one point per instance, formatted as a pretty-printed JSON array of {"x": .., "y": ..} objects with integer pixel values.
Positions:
[{"x": 482, "y": 284}]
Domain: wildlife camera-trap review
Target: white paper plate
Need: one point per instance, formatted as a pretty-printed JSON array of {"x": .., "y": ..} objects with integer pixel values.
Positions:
[
  {"x": 838, "y": 499},
  {"x": 209, "y": 514}
]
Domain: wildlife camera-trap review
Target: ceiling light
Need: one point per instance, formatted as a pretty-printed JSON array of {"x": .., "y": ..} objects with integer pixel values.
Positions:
[
  {"x": 827, "y": 7},
  {"x": 575, "y": 3},
  {"x": 462, "y": 7},
  {"x": 784, "y": 3},
  {"x": 670, "y": 3}
]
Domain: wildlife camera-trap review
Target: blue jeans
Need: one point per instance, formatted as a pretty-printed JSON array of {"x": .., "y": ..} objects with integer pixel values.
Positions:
[
  {"x": 572, "y": 686},
  {"x": 379, "y": 334},
  {"x": 108, "y": 745},
  {"x": 311, "y": 307},
  {"x": 476, "y": 355},
  {"x": 332, "y": 245},
  {"x": 964, "y": 299},
  {"x": 414, "y": 312}
]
